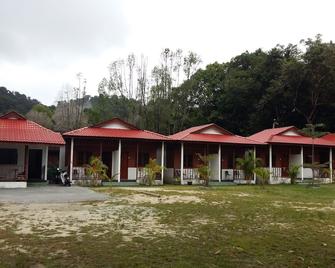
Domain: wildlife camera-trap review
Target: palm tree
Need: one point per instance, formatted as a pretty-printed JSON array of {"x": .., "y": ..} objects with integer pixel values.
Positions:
[
  {"x": 97, "y": 170},
  {"x": 248, "y": 164}
]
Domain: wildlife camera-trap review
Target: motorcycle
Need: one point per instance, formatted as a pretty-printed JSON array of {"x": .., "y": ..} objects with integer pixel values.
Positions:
[{"x": 63, "y": 177}]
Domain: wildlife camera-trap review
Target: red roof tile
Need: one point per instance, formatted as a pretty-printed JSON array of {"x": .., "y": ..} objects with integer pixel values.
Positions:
[
  {"x": 275, "y": 135},
  {"x": 15, "y": 128},
  {"x": 98, "y": 131},
  {"x": 194, "y": 134}
]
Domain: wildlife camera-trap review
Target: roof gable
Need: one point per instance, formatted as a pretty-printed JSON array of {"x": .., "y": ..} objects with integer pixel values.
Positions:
[
  {"x": 12, "y": 115},
  {"x": 266, "y": 134},
  {"x": 212, "y": 129},
  {"x": 115, "y": 123},
  {"x": 291, "y": 132}
]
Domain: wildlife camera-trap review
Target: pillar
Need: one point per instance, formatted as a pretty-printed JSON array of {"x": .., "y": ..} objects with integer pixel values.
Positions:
[
  {"x": 26, "y": 161},
  {"x": 219, "y": 165},
  {"x": 181, "y": 163},
  {"x": 119, "y": 163},
  {"x": 270, "y": 162},
  {"x": 255, "y": 153},
  {"x": 162, "y": 162},
  {"x": 331, "y": 164},
  {"x": 302, "y": 162},
  {"x": 71, "y": 159},
  {"x": 46, "y": 163}
]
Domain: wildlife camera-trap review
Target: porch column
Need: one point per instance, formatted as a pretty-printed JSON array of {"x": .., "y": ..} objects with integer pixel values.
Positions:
[
  {"x": 46, "y": 163},
  {"x": 270, "y": 162},
  {"x": 71, "y": 159},
  {"x": 331, "y": 164},
  {"x": 181, "y": 163},
  {"x": 255, "y": 163},
  {"x": 219, "y": 165},
  {"x": 302, "y": 162},
  {"x": 162, "y": 160},
  {"x": 119, "y": 163},
  {"x": 26, "y": 161}
]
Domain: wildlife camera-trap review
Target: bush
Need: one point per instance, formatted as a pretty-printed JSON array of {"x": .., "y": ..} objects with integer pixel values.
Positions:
[
  {"x": 293, "y": 172},
  {"x": 263, "y": 175}
]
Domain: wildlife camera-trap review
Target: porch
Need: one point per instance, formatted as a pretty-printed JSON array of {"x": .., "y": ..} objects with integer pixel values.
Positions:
[
  {"x": 24, "y": 162},
  {"x": 282, "y": 157},
  {"x": 125, "y": 159},
  {"x": 183, "y": 161}
]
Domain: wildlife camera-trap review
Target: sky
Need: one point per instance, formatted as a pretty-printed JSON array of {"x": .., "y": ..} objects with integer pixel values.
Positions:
[{"x": 45, "y": 43}]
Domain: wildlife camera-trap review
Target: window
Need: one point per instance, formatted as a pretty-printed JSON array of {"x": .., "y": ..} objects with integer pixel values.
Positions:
[
  {"x": 143, "y": 159},
  {"x": 8, "y": 156}
]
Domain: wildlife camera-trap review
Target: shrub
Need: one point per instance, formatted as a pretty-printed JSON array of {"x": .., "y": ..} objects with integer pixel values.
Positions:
[
  {"x": 263, "y": 175},
  {"x": 293, "y": 172},
  {"x": 248, "y": 164},
  {"x": 97, "y": 171},
  {"x": 152, "y": 170}
]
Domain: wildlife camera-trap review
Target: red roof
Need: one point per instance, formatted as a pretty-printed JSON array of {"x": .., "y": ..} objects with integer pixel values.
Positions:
[
  {"x": 15, "y": 128},
  {"x": 125, "y": 131},
  {"x": 277, "y": 135},
  {"x": 196, "y": 134}
]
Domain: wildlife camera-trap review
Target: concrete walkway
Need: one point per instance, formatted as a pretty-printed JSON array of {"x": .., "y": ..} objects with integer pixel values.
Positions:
[{"x": 50, "y": 194}]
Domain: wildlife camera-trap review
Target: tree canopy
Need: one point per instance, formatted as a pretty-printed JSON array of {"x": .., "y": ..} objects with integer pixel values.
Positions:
[{"x": 293, "y": 85}]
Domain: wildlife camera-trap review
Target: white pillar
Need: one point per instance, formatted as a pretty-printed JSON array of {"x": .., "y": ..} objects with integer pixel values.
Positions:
[
  {"x": 71, "y": 159},
  {"x": 181, "y": 163},
  {"x": 254, "y": 163},
  {"x": 331, "y": 164},
  {"x": 270, "y": 162},
  {"x": 219, "y": 165},
  {"x": 162, "y": 160},
  {"x": 302, "y": 162},
  {"x": 46, "y": 163},
  {"x": 119, "y": 163}
]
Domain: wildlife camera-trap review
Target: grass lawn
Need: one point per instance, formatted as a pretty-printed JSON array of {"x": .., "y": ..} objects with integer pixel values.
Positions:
[{"x": 176, "y": 226}]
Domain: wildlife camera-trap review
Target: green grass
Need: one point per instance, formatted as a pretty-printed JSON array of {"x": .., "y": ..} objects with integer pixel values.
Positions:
[{"x": 232, "y": 226}]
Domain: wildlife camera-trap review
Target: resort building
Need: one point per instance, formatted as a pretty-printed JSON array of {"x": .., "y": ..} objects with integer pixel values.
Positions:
[
  {"x": 26, "y": 151},
  {"x": 124, "y": 148},
  {"x": 287, "y": 146}
]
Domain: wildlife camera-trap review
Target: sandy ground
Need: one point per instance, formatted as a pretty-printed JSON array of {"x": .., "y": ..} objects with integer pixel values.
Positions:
[{"x": 127, "y": 214}]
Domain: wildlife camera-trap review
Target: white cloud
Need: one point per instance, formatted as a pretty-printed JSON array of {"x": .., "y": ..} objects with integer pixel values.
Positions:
[{"x": 44, "y": 43}]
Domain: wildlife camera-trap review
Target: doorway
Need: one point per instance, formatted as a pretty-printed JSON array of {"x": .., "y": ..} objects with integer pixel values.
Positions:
[{"x": 35, "y": 165}]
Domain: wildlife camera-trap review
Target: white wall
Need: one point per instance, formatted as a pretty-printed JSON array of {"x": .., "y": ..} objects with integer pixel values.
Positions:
[
  {"x": 214, "y": 166},
  {"x": 132, "y": 173},
  {"x": 115, "y": 125},
  {"x": 115, "y": 162},
  {"x": 61, "y": 163},
  {"x": 13, "y": 184}
]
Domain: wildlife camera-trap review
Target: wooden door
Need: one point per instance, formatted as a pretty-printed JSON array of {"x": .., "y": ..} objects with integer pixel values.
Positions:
[{"x": 124, "y": 166}]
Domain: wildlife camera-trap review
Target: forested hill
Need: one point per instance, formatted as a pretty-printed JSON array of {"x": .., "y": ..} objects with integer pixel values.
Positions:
[{"x": 12, "y": 100}]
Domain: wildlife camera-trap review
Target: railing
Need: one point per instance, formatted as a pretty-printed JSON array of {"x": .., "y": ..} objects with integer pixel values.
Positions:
[{"x": 188, "y": 173}]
